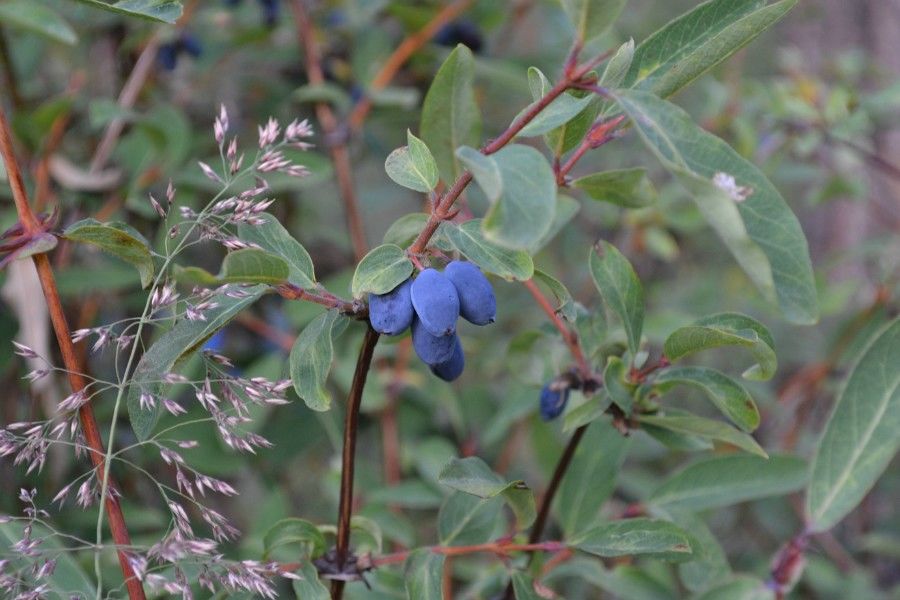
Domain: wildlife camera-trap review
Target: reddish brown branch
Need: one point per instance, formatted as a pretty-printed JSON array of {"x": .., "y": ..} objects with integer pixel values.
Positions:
[
  {"x": 400, "y": 55},
  {"x": 500, "y": 548},
  {"x": 569, "y": 336},
  {"x": 70, "y": 357},
  {"x": 351, "y": 423}
]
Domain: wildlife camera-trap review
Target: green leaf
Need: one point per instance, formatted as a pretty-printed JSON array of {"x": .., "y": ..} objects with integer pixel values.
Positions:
[
  {"x": 620, "y": 289},
  {"x": 37, "y": 18},
  {"x": 523, "y": 587},
  {"x": 591, "y": 18},
  {"x": 119, "y": 239},
  {"x": 760, "y": 230},
  {"x": 291, "y": 532},
  {"x": 726, "y": 329},
  {"x": 706, "y": 428},
  {"x": 559, "y": 112},
  {"x": 405, "y": 229},
  {"x": 309, "y": 587},
  {"x": 172, "y": 348},
  {"x": 523, "y": 212},
  {"x": 726, "y": 394},
  {"x": 591, "y": 477},
  {"x": 860, "y": 438},
  {"x": 450, "y": 116},
  {"x": 628, "y": 188},
  {"x": 565, "y": 305},
  {"x": 468, "y": 239},
  {"x": 473, "y": 476},
  {"x": 251, "y": 265},
  {"x": 381, "y": 270},
  {"x": 620, "y": 391},
  {"x": 742, "y": 587},
  {"x": 271, "y": 235},
  {"x": 423, "y": 575},
  {"x": 310, "y": 360},
  {"x": 165, "y": 11},
  {"x": 412, "y": 166},
  {"x": 587, "y": 412},
  {"x": 697, "y": 41},
  {"x": 465, "y": 519},
  {"x": 566, "y": 209},
  {"x": 726, "y": 480},
  {"x": 656, "y": 538},
  {"x": 68, "y": 579},
  {"x": 618, "y": 66},
  {"x": 709, "y": 565},
  {"x": 485, "y": 170}
]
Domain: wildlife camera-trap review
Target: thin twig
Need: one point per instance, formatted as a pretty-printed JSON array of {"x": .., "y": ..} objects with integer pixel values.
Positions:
[
  {"x": 400, "y": 55},
  {"x": 351, "y": 423},
  {"x": 569, "y": 336},
  {"x": 537, "y": 530},
  {"x": 334, "y": 134},
  {"x": 70, "y": 357}
]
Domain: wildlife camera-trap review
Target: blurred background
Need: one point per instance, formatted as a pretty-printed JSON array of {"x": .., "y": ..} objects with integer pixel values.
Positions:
[{"x": 814, "y": 101}]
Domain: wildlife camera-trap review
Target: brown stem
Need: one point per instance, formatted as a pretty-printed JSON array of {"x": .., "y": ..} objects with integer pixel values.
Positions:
[
  {"x": 351, "y": 423},
  {"x": 333, "y": 132},
  {"x": 400, "y": 55},
  {"x": 537, "y": 530},
  {"x": 569, "y": 336},
  {"x": 70, "y": 358},
  {"x": 293, "y": 292},
  {"x": 442, "y": 205}
]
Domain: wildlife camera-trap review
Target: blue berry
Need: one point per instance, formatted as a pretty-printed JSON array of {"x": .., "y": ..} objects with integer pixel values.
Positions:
[
  {"x": 432, "y": 349},
  {"x": 553, "y": 402},
  {"x": 477, "y": 303},
  {"x": 463, "y": 32},
  {"x": 167, "y": 55},
  {"x": 392, "y": 313},
  {"x": 270, "y": 10},
  {"x": 453, "y": 367},
  {"x": 190, "y": 44},
  {"x": 436, "y": 302}
]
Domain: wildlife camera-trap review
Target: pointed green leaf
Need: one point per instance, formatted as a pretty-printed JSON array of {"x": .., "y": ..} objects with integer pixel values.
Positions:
[
  {"x": 628, "y": 188},
  {"x": 742, "y": 587},
  {"x": 697, "y": 41},
  {"x": 591, "y": 477},
  {"x": 860, "y": 439},
  {"x": 566, "y": 209},
  {"x": 706, "y": 428},
  {"x": 709, "y": 565},
  {"x": 524, "y": 211},
  {"x": 726, "y": 480},
  {"x": 424, "y": 574},
  {"x": 591, "y": 18},
  {"x": 523, "y": 587},
  {"x": 565, "y": 305},
  {"x": 251, "y": 265},
  {"x": 37, "y": 18},
  {"x": 618, "y": 66},
  {"x": 630, "y": 537},
  {"x": 412, "y": 166},
  {"x": 465, "y": 519},
  {"x": 726, "y": 329},
  {"x": 468, "y": 239},
  {"x": 172, "y": 348},
  {"x": 559, "y": 112},
  {"x": 485, "y": 170},
  {"x": 166, "y": 11},
  {"x": 450, "y": 116},
  {"x": 726, "y": 394},
  {"x": 381, "y": 270},
  {"x": 294, "y": 532},
  {"x": 620, "y": 289},
  {"x": 760, "y": 229},
  {"x": 271, "y": 235},
  {"x": 310, "y": 360},
  {"x": 473, "y": 476},
  {"x": 119, "y": 239}
]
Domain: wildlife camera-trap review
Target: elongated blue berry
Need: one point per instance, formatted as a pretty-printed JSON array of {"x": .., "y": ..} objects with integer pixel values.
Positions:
[
  {"x": 432, "y": 349},
  {"x": 477, "y": 303},
  {"x": 392, "y": 313},
  {"x": 453, "y": 367},
  {"x": 436, "y": 302},
  {"x": 553, "y": 402}
]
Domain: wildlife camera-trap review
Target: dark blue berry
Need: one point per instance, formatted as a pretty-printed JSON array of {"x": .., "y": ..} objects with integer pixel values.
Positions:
[
  {"x": 432, "y": 349},
  {"x": 553, "y": 401},
  {"x": 477, "y": 303},
  {"x": 392, "y": 313},
  {"x": 436, "y": 302},
  {"x": 167, "y": 55},
  {"x": 460, "y": 32},
  {"x": 190, "y": 44},
  {"x": 270, "y": 10},
  {"x": 453, "y": 367}
]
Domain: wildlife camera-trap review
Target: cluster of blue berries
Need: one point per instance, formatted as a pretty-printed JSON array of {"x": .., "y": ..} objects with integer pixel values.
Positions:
[{"x": 431, "y": 304}]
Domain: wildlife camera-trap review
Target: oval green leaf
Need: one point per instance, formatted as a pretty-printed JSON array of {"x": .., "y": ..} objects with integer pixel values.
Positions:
[{"x": 381, "y": 270}]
